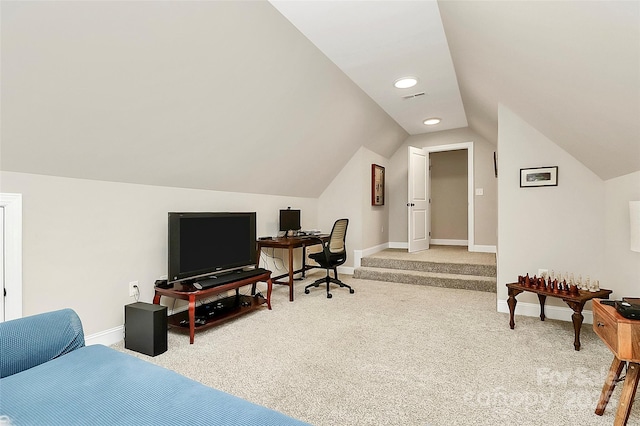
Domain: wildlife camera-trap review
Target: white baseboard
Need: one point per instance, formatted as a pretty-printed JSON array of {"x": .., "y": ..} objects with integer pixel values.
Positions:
[
  {"x": 359, "y": 254},
  {"x": 551, "y": 312},
  {"x": 404, "y": 245},
  {"x": 107, "y": 337},
  {"x": 483, "y": 249},
  {"x": 446, "y": 242}
]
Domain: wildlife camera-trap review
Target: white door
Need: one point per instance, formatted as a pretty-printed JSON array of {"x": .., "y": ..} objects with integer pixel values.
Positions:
[{"x": 418, "y": 204}]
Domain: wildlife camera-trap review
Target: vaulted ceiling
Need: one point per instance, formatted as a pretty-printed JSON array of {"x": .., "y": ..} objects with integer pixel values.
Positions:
[
  {"x": 569, "y": 68},
  {"x": 232, "y": 96}
]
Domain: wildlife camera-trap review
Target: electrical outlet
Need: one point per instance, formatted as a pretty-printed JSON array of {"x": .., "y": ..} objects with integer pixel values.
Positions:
[
  {"x": 543, "y": 273},
  {"x": 133, "y": 288}
]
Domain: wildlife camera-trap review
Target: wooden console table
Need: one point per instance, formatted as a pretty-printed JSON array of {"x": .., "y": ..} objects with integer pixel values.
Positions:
[
  {"x": 622, "y": 336},
  {"x": 575, "y": 302},
  {"x": 290, "y": 243},
  {"x": 242, "y": 304}
]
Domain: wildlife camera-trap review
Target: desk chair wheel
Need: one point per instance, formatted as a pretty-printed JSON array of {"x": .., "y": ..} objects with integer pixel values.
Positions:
[
  {"x": 351, "y": 291},
  {"x": 306, "y": 291},
  {"x": 329, "y": 295}
]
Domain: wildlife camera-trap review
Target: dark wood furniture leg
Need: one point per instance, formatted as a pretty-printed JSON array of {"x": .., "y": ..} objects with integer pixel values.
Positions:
[
  {"x": 577, "y": 319},
  {"x": 512, "y": 306},
  {"x": 192, "y": 318},
  {"x": 628, "y": 394},
  {"x": 609, "y": 384},
  {"x": 290, "y": 273},
  {"x": 542, "y": 298},
  {"x": 269, "y": 288}
]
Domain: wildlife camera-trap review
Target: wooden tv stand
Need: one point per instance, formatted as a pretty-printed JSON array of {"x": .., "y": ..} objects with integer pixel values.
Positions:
[{"x": 243, "y": 304}]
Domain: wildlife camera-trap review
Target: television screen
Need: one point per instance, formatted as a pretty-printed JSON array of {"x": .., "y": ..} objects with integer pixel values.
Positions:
[
  {"x": 289, "y": 220},
  {"x": 202, "y": 244}
]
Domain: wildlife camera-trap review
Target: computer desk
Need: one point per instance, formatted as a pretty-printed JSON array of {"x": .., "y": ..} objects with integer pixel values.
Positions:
[{"x": 291, "y": 243}]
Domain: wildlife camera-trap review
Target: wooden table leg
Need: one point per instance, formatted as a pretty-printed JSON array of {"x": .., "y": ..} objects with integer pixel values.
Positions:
[
  {"x": 192, "y": 318},
  {"x": 512, "y": 306},
  {"x": 269, "y": 287},
  {"x": 609, "y": 384},
  {"x": 628, "y": 394},
  {"x": 577, "y": 319},
  {"x": 542, "y": 298},
  {"x": 290, "y": 274}
]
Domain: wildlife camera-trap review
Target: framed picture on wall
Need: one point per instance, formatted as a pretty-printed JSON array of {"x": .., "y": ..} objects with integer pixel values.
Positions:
[
  {"x": 539, "y": 176},
  {"x": 377, "y": 185}
]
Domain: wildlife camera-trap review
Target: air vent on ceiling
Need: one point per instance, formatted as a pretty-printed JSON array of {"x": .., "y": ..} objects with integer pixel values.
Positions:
[{"x": 413, "y": 96}]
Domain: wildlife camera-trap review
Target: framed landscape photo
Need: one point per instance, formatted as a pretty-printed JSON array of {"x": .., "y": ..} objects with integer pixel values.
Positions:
[
  {"x": 539, "y": 176},
  {"x": 377, "y": 185}
]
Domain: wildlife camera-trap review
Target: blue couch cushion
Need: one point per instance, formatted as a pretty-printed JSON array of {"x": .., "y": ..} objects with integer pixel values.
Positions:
[
  {"x": 96, "y": 385},
  {"x": 30, "y": 341}
]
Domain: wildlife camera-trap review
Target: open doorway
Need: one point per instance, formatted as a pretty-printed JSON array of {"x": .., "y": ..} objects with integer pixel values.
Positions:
[{"x": 419, "y": 223}]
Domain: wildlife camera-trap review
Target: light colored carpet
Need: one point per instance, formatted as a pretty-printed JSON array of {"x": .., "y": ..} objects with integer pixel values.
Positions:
[
  {"x": 436, "y": 253},
  {"x": 399, "y": 354}
]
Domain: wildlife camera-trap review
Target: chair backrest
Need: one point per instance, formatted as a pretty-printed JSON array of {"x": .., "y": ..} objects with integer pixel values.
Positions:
[{"x": 338, "y": 236}]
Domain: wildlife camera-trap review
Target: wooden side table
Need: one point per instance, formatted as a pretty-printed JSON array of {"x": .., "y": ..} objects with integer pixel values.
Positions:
[
  {"x": 575, "y": 302},
  {"x": 622, "y": 336}
]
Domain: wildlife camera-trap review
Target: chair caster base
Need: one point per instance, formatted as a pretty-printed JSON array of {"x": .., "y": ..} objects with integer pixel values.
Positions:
[
  {"x": 306, "y": 291},
  {"x": 329, "y": 295},
  {"x": 351, "y": 291}
]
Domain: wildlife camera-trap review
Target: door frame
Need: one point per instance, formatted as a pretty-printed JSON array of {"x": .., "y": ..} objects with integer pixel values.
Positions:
[
  {"x": 470, "y": 184},
  {"x": 12, "y": 233}
]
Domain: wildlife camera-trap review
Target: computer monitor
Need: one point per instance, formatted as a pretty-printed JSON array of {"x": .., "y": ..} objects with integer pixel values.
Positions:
[{"x": 289, "y": 220}]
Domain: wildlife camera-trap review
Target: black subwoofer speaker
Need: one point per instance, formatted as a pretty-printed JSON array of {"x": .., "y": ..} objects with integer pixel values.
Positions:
[{"x": 145, "y": 328}]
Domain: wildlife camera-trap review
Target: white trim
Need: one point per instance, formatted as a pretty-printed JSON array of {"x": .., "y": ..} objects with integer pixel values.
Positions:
[
  {"x": 107, "y": 337},
  {"x": 397, "y": 245},
  {"x": 445, "y": 242},
  {"x": 483, "y": 249},
  {"x": 470, "y": 182},
  {"x": 12, "y": 204},
  {"x": 359, "y": 254},
  {"x": 551, "y": 312}
]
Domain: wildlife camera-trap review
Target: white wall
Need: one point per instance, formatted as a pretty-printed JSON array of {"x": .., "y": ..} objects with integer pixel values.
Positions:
[
  {"x": 559, "y": 228},
  {"x": 485, "y": 214},
  {"x": 84, "y": 240},
  {"x": 622, "y": 265},
  {"x": 349, "y": 195}
]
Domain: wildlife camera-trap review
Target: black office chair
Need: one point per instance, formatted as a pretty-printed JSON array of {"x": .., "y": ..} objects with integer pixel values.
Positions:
[{"x": 333, "y": 254}]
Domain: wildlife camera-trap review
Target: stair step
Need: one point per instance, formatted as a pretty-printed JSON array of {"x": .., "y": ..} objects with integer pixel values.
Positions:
[
  {"x": 436, "y": 267},
  {"x": 434, "y": 279}
]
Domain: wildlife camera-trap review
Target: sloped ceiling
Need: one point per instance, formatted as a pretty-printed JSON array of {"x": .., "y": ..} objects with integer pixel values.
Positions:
[
  {"x": 215, "y": 95},
  {"x": 571, "y": 69},
  {"x": 231, "y": 96}
]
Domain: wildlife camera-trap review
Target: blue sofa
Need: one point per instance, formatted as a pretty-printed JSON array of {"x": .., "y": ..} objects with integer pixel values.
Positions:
[{"x": 49, "y": 377}]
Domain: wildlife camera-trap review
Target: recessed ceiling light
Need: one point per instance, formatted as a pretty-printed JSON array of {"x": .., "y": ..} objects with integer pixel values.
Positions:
[
  {"x": 405, "y": 82},
  {"x": 431, "y": 121}
]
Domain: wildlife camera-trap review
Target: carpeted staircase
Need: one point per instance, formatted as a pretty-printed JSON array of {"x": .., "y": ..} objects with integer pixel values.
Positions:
[{"x": 464, "y": 272}]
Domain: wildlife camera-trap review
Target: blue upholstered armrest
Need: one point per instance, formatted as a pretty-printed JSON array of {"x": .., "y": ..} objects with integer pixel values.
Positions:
[{"x": 30, "y": 341}]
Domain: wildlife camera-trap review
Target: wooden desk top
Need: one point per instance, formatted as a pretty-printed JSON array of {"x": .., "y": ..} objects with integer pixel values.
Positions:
[{"x": 285, "y": 242}]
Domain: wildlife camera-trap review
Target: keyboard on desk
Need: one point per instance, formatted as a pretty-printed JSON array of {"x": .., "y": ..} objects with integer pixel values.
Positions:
[{"x": 227, "y": 278}]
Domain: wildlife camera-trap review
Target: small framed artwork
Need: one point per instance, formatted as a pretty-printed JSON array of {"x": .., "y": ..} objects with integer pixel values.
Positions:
[
  {"x": 539, "y": 176},
  {"x": 377, "y": 185}
]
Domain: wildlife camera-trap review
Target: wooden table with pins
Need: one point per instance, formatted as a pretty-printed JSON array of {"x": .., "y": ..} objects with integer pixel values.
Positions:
[{"x": 571, "y": 295}]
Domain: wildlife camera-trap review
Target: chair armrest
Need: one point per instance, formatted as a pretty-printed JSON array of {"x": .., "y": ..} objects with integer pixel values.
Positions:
[{"x": 34, "y": 340}]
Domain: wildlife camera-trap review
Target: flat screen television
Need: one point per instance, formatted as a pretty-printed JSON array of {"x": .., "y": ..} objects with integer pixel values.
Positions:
[
  {"x": 203, "y": 244},
  {"x": 289, "y": 220}
]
